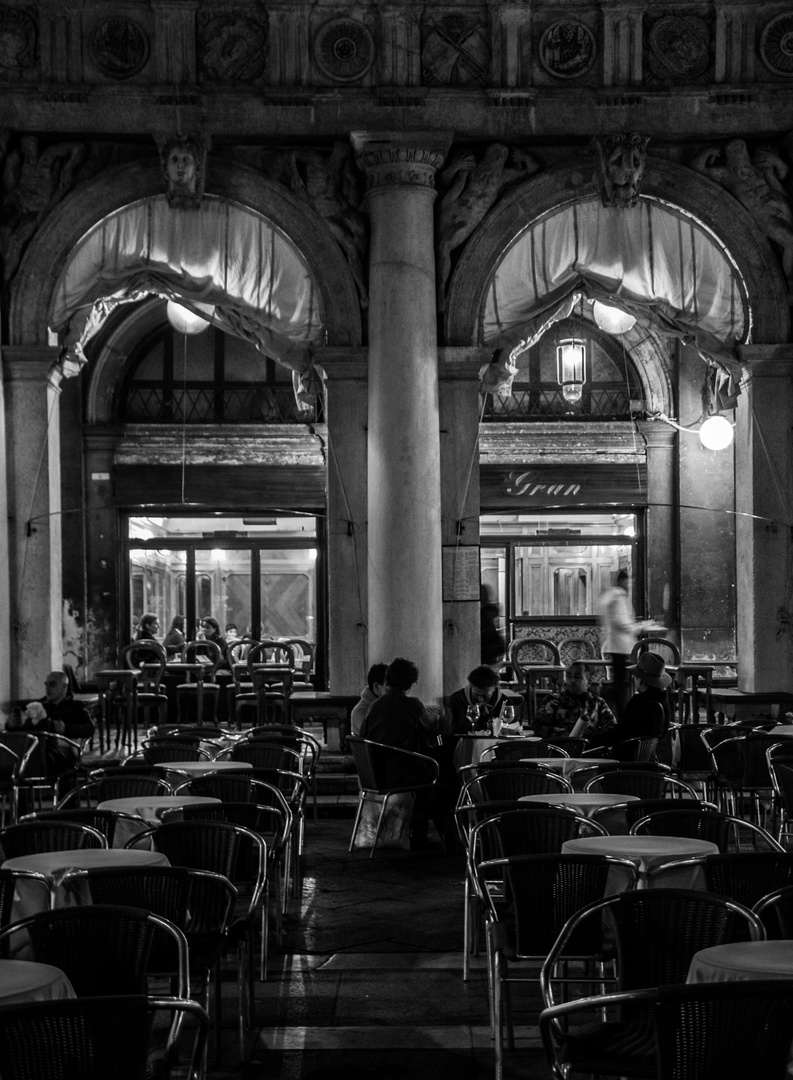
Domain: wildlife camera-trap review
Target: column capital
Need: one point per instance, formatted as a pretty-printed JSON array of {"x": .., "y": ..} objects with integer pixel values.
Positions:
[
  {"x": 32, "y": 363},
  {"x": 400, "y": 158},
  {"x": 657, "y": 435}
]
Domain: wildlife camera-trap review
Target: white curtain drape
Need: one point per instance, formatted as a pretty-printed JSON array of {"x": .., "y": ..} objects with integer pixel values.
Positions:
[
  {"x": 222, "y": 254},
  {"x": 653, "y": 261}
]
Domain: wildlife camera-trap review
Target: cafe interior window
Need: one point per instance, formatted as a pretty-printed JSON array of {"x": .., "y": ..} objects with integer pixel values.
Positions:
[{"x": 543, "y": 567}]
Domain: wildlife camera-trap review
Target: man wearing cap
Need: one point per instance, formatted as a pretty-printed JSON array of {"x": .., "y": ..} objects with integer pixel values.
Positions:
[{"x": 647, "y": 712}]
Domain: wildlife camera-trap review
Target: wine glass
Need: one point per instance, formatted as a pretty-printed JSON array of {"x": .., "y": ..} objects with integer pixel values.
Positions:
[
  {"x": 508, "y": 714},
  {"x": 472, "y": 714}
]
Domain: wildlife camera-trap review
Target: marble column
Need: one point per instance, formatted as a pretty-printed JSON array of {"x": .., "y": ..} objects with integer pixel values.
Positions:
[
  {"x": 404, "y": 531},
  {"x": 764, "y": 501},
  {"x": 5, "y": 557},
  {"x": 345, "y": 395},
  {"x": 662, "y": 578},
  {"x": 32, "y": 382}
]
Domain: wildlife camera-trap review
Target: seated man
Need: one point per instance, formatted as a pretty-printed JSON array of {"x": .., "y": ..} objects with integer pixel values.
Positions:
[
  {"x": 485, "y": 695},
  {"x": 406, "y": 723},
  {"x": 575, "y": 711},
  {"x": 648, "y": 711},
  {"x": 375, "y": 685}
]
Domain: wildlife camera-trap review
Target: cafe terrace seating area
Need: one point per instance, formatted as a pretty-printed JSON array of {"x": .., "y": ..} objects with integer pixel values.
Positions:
[{"x": 198, "y": 892}]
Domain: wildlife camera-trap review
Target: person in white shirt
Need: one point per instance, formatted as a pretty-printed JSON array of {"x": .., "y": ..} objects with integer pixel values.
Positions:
[{"x": 619, "y": 631}]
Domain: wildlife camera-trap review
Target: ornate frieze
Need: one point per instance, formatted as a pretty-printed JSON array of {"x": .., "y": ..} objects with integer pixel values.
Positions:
[
  {"x": 678, "y": 48},
  {"x": 118, "y": 46},
  {"x": 455, "y": 49},
  {"x": 776, "y": 44},
  {"x": 567, "y": 49}
]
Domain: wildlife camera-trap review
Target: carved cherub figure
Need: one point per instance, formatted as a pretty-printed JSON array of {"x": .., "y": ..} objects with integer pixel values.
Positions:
[
  {"x": 756, "y": 183},
  {"x": 470, "y": 189},
  {"x": 330, "y": 184},
  {"x": 34, "y": 180}
]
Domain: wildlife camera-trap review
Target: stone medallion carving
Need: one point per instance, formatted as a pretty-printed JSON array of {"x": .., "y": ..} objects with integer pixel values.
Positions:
[
  {"x": 567, "y": 49},
  {"x": 17, "y": 43},
  {"x": 776, "y": 44},
  {"x": 344, "y": 50},
  {"x": 119, "y": 47},
  {"x": 456, "y": 50},
  {"x": 679, "y": 47},
  {"x": 231, "y": 48}
]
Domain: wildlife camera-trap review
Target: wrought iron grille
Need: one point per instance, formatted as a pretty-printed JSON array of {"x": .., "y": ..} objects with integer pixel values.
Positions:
[
  {"x": 202, "y": 403},
  {"x": 544, "y": 401}
]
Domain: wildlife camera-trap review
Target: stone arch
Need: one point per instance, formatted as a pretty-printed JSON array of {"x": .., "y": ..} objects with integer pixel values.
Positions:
[
  {"x": 677, "y": 185},
  {"x": 115, "y": 188}
]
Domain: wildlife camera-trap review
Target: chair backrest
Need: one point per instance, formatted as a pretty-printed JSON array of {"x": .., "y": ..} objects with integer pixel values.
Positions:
[
  {"x": 141, "y": 652},
  {"x": 23, "y": 745},
  {"x": 164, "y": 750},
  {"x": 535, "y": 831},
  {"x": 508, "y": 783},
  {"x": 382, "y": 768},
  {"x": 91, "y": 1038},
  {"x": 516, "y": 749},
  {"x": 748, "y": 876},
  {"x": 193, "y": 649},
  {"x": 34, "y": 837},
  {"x": 236, "y": 787},
  {"x": 119, "y": 786},
  {"x": 568, "y": 745},
  {"x": 304, "y": 654},
  {"x": 104, "y": 821},
  {"x": 775, "y": 910},
  {"x": 643, "y": 784},
  {"x": 700, "y": 1030},
  {"x": 781, "y": 772},
  {"x": 724, "y": 830},
  {"x": 264, "y": 754},
  {"x": 665, "y": 648},
  {"x": 524, "y": 651},
  {"x": 576, "y": 648},
  {"x": 102, "y": 949},
  {"x": 640, "y": 748},
  {"x": 281, "y": 652},
  {"x": 271, "y": 822},
  {"x": 694, "y": 754}
]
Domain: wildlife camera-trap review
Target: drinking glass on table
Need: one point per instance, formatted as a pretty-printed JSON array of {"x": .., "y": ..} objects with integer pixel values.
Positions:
[
  {"x": 472, "y": 715},
  {"x": 508, "y": 714}
]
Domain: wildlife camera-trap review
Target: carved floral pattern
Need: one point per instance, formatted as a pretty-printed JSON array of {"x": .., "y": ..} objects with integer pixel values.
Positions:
[
  {"x": 232, "y": 48},
  {"x": 679, "y": 47},
  {"x": 776, "y": 44},
  {"x": 119, "y": 47},
  {"x": 344, "y": 50},
  {"x": 17, "y": 43},
  {"x": 400, "y": 165},
  {"x": 567, "y": 49}
]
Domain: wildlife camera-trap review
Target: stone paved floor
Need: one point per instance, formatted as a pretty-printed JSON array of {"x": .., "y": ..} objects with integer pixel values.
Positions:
[{"x": 370, "y": 984}]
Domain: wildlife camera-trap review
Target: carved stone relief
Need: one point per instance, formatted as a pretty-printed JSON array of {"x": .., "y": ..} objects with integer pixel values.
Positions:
[
  {"x": 756, "y": 181},
  {"x": 332, "y": 186},
  {"x": 567, "y": 49},
  {"x": 468, "y": 189},
  {"x": 183, "y": 159},
  {"x": 776, "y": 44},
  {"x": 34, "y": 179},
  {"x": 232, "y": 47},
  {"x": 678, "y": 48},
  {"x": 344, "y": 50},
  {"x": 118, "y": 46},
  {"x": 620, "y": 166},
  {"x": 455, "y": 50},
  {"x": 18, "y": 44}
]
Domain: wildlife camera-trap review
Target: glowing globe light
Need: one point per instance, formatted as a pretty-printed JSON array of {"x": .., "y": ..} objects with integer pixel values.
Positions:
[
  {"x": 611, "y": 320},
  {"x": 716, "y": 433},
  {"x": 186, "y": 321}
]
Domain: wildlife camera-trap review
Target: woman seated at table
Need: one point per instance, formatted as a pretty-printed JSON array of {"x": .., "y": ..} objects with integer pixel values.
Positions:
[
  {"x": 174, "y": 639},
  {"x": 210, "y": 631},
  {"x": 648, "y": 711},
  {"x": 146, "y": 631},
  {"x": 575, "y": 711}
]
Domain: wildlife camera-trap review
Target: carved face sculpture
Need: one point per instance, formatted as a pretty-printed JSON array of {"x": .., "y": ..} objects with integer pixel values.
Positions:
[
  {"x": 624, "y": 168},
  {"x": 180, "y": 167}
]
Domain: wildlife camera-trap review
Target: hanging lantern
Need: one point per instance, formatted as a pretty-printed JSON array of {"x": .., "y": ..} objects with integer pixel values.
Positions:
[
  {"x": 716, "y": 433},
  {"x": 571, "y": 368},
  {"x": 612, "y": 320},
  {"x": 186, "y": 321}
]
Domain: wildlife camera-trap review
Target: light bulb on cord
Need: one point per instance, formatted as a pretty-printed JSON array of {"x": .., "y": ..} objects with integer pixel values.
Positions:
[
  {"x": 186, "y": 321},
  {"x": 716, "y": 433},
  {"x": 612, "y": 320}
]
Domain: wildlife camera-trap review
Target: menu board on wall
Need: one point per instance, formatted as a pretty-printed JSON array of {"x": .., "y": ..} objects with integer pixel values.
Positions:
[{"x": 461, "y": 572}]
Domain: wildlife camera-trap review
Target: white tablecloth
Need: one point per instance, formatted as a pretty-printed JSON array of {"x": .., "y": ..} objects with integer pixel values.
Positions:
[
  {"x": 743, "y": 960},
  {"x": 585, "y": 803},
  {"x": 200, "y": 768},
  {"x": 648, "y": 852},
  {"x": 22, "y": 981},
  {"x": 150, "y": 809},
  {"x": 29, "y": 896}
]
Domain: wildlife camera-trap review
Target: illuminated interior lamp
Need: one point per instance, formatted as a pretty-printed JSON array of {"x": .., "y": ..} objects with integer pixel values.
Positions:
[
  {"x": 186, "y": 321},
  {"x": 611, "y": 319},
  {"x": 716, "y": 433},
  {"x": 571, "y": 368}
]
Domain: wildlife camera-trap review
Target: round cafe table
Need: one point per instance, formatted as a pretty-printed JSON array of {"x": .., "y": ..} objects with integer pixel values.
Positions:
[
  {"x": 567, "y": 766},
  {"x": 30, "y": 898},
  {"x": 150, "y": 809},
  {"x": 742, "y": 960},
  {"x": 583, "y": 802},
  {"x": 469, "y": 748},
  {"x": 200, "y": 768},
  {"x": 648, "y": 852},
  {"x": 23, "y": 980}
]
